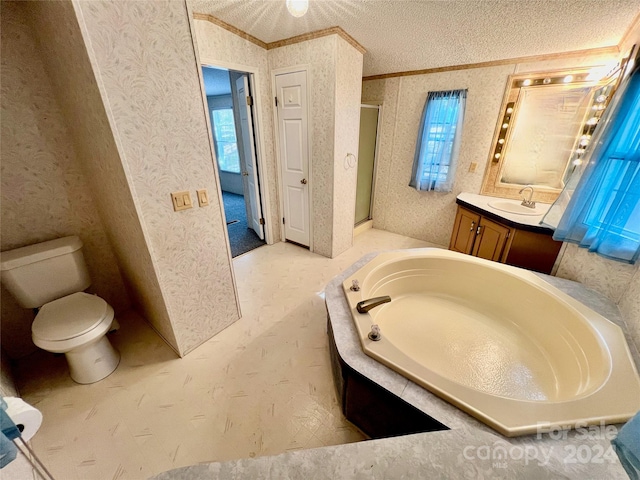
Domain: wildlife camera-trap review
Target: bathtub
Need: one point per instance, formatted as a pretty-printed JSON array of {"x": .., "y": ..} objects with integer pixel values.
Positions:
[{"x": 495, "y": 341}]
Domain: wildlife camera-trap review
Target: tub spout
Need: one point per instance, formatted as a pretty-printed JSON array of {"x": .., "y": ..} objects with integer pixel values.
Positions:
[
  {"x": 375, "y": 334},
  {"x": 365, "y": 305}
]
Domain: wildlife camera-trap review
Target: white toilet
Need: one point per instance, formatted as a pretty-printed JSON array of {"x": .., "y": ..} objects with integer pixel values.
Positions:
[{"x": 52, "y": 275}]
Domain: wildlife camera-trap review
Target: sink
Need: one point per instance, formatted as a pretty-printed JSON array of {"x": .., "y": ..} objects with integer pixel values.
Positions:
[{"x": 513, "y": 206}]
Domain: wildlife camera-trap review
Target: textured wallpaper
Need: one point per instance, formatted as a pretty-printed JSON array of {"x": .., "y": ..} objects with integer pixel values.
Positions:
[
  {"x": 145, "y": 62},
  {"x": 45, "y": 193},
  {"x": 630, "y": 306},
  {"x": 217, "y": 45},
  {"x": 429, "y": 215},
  {"x": 320, "y": 55},
  {"x": 65, "y": 55},
  {"x": 347, "y": 128}
]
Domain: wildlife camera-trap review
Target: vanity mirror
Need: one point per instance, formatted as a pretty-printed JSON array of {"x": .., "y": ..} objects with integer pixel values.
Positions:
[{"x": 546, "y": 122}]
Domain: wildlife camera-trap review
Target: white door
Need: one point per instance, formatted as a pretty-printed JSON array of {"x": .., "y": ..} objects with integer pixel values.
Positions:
[
  {"x": 248, "y": 147},
  {"x": 291, "y": 94}
]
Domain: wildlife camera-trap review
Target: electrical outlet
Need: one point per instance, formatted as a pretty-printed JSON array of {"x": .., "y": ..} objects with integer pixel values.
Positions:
[
  {"x": 181, "y": 200},
  {"x": 473, "y": 167},
  {"x": 203, "y": 197}
]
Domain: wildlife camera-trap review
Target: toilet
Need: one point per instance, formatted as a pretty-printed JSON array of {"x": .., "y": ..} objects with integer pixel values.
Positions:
[{"x": 51, "y": 276}]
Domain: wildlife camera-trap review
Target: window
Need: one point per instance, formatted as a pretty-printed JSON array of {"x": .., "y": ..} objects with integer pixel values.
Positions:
[
  {"x": 224, "y": 135},
  {"x": 434, "y": 163},
  {"x": 603, "y": 212}
]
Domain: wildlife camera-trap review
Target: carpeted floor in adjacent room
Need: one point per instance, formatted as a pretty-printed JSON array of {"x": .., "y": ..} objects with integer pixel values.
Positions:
[{"x": 242, "y": 238}]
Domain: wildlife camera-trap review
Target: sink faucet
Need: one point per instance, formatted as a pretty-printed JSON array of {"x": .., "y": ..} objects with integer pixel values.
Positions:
[
  {"x": 365, "y": 305},
  {"x": 527, "y": 202}
]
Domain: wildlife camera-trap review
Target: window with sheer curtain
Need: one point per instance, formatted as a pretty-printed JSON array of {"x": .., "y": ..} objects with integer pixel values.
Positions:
[
  {"x": 225, "y": 141},
  {"x": 602, "y": 211},
  {"x": 438, "y": 144}
]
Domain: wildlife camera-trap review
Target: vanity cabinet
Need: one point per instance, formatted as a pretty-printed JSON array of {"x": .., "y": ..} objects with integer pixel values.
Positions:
[{"x": 485, "y": 235}]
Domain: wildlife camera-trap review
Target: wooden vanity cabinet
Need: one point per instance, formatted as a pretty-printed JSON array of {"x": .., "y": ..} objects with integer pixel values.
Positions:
[{"x": 478, "y": 235}]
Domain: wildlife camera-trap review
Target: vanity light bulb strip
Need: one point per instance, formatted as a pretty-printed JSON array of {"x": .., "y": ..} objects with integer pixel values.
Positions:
[{"x": 506, "y": 122}]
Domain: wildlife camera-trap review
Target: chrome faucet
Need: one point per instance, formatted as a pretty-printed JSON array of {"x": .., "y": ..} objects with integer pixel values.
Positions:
[
  {"x": 527, "y": 202},
  {"x": 365, "y": 305}
]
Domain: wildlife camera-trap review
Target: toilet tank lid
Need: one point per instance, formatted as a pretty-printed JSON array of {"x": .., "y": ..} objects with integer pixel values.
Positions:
[{"x": 22, "y": 256}]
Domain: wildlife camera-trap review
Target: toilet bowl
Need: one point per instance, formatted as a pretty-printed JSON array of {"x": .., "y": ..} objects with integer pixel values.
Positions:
[{"x": 76, "y": 325}]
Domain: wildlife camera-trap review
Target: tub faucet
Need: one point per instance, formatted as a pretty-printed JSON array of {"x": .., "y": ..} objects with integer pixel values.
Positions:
[
  {"x": 527, "y": 202},
  {"x": 365, "y": 305}
]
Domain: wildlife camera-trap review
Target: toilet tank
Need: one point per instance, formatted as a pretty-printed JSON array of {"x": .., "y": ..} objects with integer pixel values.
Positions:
[{"x": 37, "y": 274}]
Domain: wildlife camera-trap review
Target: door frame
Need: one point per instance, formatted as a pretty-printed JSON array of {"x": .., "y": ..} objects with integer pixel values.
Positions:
[
  {"x": 274, "y": 73},
  {"x": 375, "y": 157},
  {"x": 254, "y": 81}
]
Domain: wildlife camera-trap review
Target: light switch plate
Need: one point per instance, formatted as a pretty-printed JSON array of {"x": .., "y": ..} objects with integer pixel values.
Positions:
[
  {"x": 203, "y": 197},
  {"x": 181, "y": 200}
]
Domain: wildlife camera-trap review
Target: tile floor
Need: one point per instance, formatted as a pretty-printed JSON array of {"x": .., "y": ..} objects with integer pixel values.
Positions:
[{"x": 263, "y": 386}]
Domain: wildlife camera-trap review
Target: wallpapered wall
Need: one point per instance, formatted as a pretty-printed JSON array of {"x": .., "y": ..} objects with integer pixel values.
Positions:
[
  {"x": 45, "y": 193},
  {"x": 145, "y": 62},
  {"x": 347, "y": 134},
  {"x": 217, "y": 46},
  {"x": 69, "y": 67}
]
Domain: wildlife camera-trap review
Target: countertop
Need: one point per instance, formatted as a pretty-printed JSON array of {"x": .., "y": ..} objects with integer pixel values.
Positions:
[
  {"x": 469, "y": 450},
  {"x": 480, "y": 204}
]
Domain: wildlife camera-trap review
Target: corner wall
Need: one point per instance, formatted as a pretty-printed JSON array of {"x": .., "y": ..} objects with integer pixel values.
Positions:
[{"x": 347, "y": 135}]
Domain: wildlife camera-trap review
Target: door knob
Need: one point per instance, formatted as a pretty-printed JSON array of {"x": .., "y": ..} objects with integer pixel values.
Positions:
[
  {"x": 303, "y": 181},
  {"x": 245, "y": 174}
]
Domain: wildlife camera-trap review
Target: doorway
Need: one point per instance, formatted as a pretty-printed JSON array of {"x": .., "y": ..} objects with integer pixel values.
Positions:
[
  {"x": 230, "y": 107},
  {"x": 367, "y": 148}
]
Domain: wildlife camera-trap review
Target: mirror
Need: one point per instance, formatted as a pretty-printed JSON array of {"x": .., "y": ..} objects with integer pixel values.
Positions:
[{"x": 545, "y": 124}]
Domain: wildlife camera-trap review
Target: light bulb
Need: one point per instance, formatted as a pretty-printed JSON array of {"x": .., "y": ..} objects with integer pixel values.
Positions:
[
  {"x": 297, "y": 8},
  {"x": 501, "y": 141},
  {"x": 546, "y": 81},
  {"x": 527, "y": 82},
  {"x": 509, "y": 110},
  {"x": 568, "y": 79},
  {"x": 592, "y": 121},
  {"x": 497, "y": 155},
  {"x": 505, "y": 125},
  {"x": 577, "y": 161},
  {"x": 601, "y": 98}
]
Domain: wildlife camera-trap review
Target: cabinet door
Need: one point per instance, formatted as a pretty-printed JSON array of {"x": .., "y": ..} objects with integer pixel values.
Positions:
[
  {"x": 464, "y": 231},
  {"x": 491, "y": 240}
]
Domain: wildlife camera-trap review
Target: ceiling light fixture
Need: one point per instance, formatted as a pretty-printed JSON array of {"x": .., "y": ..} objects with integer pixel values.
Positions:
[{"x": 297, "y": 8}]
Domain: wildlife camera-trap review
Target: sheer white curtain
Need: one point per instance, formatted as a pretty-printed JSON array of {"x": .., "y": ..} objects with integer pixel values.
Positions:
[{"x": 439, "y": 138}]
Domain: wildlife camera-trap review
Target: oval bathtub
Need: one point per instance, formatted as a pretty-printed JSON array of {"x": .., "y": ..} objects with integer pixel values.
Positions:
[{"x": 496, "y": 341}]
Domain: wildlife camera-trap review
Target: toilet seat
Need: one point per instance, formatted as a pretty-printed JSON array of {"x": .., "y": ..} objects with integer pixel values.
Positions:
[
  {"x": 71, "y": 322},
  {"x": 70, "y": 317}
]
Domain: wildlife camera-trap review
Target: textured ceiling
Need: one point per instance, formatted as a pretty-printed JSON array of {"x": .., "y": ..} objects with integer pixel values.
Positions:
[{"x": 402, "y": 35}]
